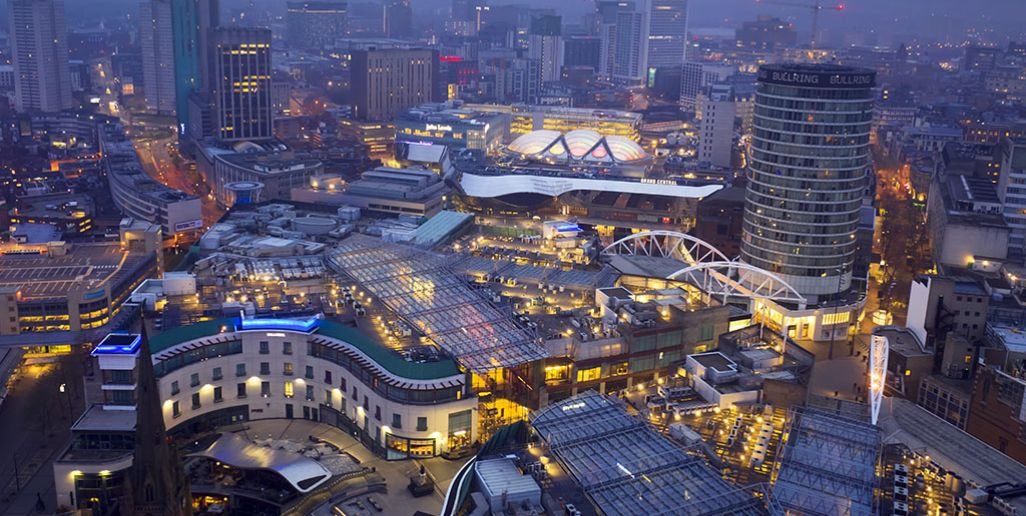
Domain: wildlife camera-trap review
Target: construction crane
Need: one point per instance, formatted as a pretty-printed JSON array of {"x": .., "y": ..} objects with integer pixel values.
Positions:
[{"x": 816, "y": 6}]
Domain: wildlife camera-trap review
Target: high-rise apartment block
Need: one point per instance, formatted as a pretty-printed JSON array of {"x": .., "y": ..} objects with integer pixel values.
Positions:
[
  {"x": 545, "y": 43},
  {"x": 39, "y": 47},
  {"x": 716, "y": 134}
]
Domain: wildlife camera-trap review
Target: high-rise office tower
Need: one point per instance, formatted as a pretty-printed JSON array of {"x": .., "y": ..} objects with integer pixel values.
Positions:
[
  {"x": 808, "y": 170},
  {"x": 387, "y": 81},
  {"x": 158, "y": 55},
  {"x": 766, "y": 34},
  {"x": 42, "y": 79},
  {"x": 398, "y": 19},
  {"x": 667, "y": 33},
  {"x": 545, "y": 43},
  {"x": 605, "y": 19},
  {"x": 242, "y": 93},
  {"x": 191, "y": 22},
  {"x": 582, "y": 51},
  {"x": 315, "y": 25},
  {"x": 466, "y": 16}
]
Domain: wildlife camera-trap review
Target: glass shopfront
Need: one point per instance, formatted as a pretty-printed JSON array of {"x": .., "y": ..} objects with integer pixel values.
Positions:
[{"x": 399, "y": 447}]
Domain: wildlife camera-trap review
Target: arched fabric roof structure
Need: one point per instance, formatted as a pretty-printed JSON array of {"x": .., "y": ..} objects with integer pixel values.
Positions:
[
  {"x": 582, "y": 145},
  {"x": 302, "y": 473}
]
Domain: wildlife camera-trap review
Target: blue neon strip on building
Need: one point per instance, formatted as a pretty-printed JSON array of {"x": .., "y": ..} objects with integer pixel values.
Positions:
[
  {"x": 118, "y": 344},
  {"x": 296, "y": 325}
]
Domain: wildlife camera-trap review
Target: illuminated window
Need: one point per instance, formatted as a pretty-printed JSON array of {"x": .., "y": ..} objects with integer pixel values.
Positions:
[
  {"x": 590, "y": 374},
  {"x": 556, "y": 372},
  {"x": 289, "y": 390},
  {"x": 836, "y": 318}
]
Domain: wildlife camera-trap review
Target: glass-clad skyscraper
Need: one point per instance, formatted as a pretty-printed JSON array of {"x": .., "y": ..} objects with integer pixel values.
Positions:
[{"x": 191, "y": 21}]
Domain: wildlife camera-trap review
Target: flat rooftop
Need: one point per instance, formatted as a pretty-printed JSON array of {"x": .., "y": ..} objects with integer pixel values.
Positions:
[
  {"x": 95, "y": 419},
  {"x": 715, "y": 360},
  {"x": 901, "y": 340},
  {"x": 1013, "y": 338},
  {"x": 902, "y": 421},
  {"x": 381, "y": 355},
  {"x": 86, "y": 266}
]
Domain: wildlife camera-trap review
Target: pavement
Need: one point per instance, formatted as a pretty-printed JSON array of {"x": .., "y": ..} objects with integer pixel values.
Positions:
[
  {"x": 35, "y": 422},
  {"x": 398, "y": 500}
]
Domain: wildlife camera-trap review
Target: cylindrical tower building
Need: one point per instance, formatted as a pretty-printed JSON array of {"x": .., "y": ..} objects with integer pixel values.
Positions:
[{"x": 808, "y": 172}]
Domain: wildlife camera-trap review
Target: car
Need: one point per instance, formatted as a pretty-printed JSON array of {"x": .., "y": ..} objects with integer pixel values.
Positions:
[{"x": 374, "y": 503}]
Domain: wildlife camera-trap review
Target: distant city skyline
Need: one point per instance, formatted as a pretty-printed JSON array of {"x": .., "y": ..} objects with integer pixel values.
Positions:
[{"x": 926, "y": 20}]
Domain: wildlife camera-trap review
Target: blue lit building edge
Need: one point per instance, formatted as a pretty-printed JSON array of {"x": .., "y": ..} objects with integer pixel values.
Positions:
[
  {"x": 295, "y": 325},
  {"x": 118, "y": 344}
]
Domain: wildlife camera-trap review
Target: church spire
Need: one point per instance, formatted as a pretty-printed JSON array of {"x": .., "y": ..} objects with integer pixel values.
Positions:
[{"x": 156, "y": 484}]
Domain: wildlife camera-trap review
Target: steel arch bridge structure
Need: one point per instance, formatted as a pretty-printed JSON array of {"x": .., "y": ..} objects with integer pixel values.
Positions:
[
  {"x": 725, "y": 279},
  {"x": 666, "y": 244},
  {"x": 708, "y": 268}
]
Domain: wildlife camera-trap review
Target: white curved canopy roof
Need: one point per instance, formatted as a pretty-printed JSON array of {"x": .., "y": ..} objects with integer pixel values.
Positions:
[
  {"x": 581, "y": 145},
  {"x": 488, "y": 186},
  {"x": 302, "y": 473}
]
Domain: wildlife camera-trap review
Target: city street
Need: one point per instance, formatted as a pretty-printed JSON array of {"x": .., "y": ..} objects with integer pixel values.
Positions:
[
  {"x": 901, "y": 240},
  {"x": 156, "y": 158}
]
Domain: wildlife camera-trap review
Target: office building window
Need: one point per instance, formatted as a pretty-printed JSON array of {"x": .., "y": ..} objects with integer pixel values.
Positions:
[
  {"x": 309, "y": 393},
  {"x": 327, "y": 377},
  {"x": 286, "y": 348},
  {"x": 240, "y": 390},
  {"x": 397, "y": 420},
  {"x": 289, "y": 389},
  {"x": 240, "y": 369},
  {"x": 265, "y": 368},
  {"x": 218, "y": 398},
  {"x": 195, "y": 401},
  {"x": 309, "y": 372},
  {"x": 286, "y": 368},
  {"x": 265, "y": 347},
  {"x": 265, "y": 389},
  {"x": 194, "y": 379},
  {"x": 175, "y": 410},
  {"x": 422, "y": 424},
  {"x": 174, "y": 388},
  {"x": 217, "y": 374}
]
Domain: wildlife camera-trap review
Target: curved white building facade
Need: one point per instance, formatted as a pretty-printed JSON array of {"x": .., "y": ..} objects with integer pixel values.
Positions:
[
  {"x": 489, "y": 186},
  {"x": 233, "y": 370}
]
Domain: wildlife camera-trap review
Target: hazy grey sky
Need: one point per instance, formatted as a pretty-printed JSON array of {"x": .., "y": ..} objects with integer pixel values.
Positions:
[{"x": 942, "y": 19}]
